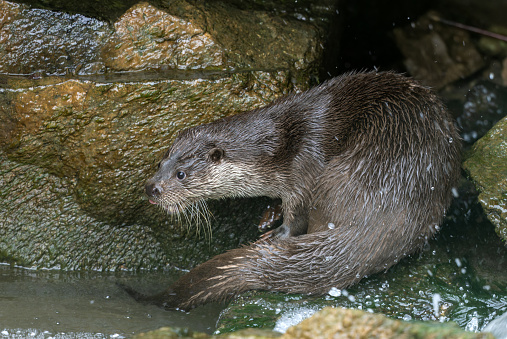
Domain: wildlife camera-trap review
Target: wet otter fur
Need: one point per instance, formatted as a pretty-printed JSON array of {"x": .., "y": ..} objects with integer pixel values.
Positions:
[{"x": 364, "y": 165}]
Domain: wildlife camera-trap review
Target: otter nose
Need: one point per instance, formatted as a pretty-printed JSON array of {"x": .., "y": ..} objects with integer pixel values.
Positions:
[{"x": 153, "y": 189}]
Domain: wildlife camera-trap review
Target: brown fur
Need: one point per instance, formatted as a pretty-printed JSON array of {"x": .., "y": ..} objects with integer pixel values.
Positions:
[{"x": 364, "y": 165}]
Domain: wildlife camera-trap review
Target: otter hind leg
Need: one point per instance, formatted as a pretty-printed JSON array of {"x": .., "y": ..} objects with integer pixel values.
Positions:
[{"x": 216, "y": 280}]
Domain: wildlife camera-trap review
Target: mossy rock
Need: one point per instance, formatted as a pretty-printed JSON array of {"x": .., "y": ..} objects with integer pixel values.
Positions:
[{"x": 487, "y": 166}]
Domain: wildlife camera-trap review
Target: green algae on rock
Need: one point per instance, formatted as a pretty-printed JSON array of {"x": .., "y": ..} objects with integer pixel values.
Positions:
[
  {"x": 487, "y": 165},
  {"x": 42, "y": 226}
]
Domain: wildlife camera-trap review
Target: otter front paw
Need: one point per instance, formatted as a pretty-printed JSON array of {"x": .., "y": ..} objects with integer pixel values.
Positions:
[{"x": 278, "y": 233}]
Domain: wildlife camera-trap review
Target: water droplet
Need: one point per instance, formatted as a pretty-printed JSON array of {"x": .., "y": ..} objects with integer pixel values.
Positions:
[
  {"x": 436, "y": 301},
  {"x": 331, "y": 226},
  {"x": 334, "y": 292},
  {"x": 455, "y": 192},
  {"x": 450, "y": 140},
  {"x": 458, "y": 262},
  {"x": 432, "y": 188},
  {"x": 491, "y": 76}
]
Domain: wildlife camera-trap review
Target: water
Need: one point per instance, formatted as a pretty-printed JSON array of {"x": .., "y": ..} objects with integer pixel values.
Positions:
[{"x": 44, "y": 304}]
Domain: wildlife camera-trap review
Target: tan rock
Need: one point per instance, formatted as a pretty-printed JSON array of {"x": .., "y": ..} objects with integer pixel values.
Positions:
[{"x": 146, "y": 36}]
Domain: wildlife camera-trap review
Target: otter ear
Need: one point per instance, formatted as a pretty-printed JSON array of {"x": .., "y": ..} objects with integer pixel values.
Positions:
[{"x": 216, "y": 154}]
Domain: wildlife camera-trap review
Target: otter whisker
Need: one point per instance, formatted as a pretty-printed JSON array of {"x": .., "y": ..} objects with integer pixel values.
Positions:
[
  {"x": 206, "y": 214},
  {"x": 200, "y": 214}
]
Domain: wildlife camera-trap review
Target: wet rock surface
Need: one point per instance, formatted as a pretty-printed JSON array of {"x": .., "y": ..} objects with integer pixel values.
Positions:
[
  {"x": 146, "y": 36},
  {"x": 332, "y": 322},
  {"x": 93, "y": 105},
  {"x": 175, "y": 35},
  {"x": 110, "y": 136},
  {"x": 41, "y": 225},
  {"x": 338, "y": 323},
  {"x": 487, "y": 165},
  {"x": 46, "y": 42}
]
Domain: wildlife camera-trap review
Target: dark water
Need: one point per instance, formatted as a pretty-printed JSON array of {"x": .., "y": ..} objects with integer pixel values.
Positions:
[{"x": 56, "y": 304}]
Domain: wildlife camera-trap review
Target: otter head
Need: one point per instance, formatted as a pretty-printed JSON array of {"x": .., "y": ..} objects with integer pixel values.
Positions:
[
  {"x": 213, "y": 161},
  {"x": 187, "y": 173}
]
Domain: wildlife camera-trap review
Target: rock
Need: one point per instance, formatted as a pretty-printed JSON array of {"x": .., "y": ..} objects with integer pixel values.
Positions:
[
  {"x": 106, "y": 138},
  {"x": 35, "y": 41},
  {"x": 41, "y": 225},
  {"x": 337, "y": 323},
  {"x": 346, "y": 323},
  {"x": 146, "y": 36},
  {"x": 487, "y": 165},
  {"x": 437, "y": 54},
  {"x": 180, "y": 36},
  {"x": 122, "y": 92},
  {"x": 109, "y": 136}
]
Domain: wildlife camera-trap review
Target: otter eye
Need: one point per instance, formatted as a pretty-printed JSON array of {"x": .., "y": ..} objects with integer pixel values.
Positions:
[{"x": 180, "y": 175}]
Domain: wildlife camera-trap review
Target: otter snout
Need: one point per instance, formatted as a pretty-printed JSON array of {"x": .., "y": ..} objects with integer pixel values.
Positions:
[{"x": 153, "y": 189}]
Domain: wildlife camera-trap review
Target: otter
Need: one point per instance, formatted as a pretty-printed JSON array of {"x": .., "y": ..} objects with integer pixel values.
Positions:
[{"x": 364, "y": 165}]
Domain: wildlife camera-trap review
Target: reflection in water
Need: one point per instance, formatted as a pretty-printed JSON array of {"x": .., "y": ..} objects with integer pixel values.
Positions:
[{"x": 43, "y": 304}]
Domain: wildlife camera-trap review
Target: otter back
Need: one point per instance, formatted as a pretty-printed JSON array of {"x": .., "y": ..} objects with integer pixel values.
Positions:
[{"x": 364, "y": 165}]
